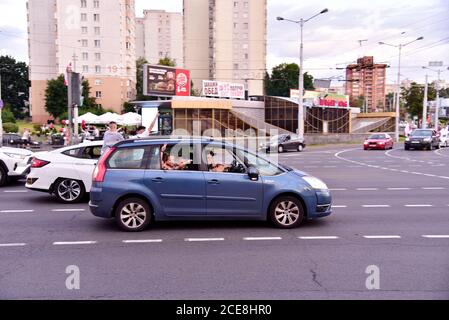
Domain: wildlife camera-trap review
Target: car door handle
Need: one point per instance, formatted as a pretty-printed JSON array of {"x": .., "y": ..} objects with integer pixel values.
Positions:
[
  {"x": 158, "y": 180},
  {"x": 214, "y": 181}
]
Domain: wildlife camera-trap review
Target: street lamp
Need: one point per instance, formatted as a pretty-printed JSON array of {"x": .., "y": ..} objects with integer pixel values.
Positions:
[
  {"x": 301, "y": 23},
  {"x": 398, "y": 98},
  {"x": 437, "y": 106}
]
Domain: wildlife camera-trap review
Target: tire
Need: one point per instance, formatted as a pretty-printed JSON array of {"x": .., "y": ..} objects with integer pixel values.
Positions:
[
  {"x": 281, "y": 149},
  {"x": 407, "y": 148},
  {"x": 3, "y": 176},
  {"x": 133, "y": 215},
  {"x": 287, "y": 213},
  {"x": 69, "y": 190},
  {"x": 300, "y": 148}
]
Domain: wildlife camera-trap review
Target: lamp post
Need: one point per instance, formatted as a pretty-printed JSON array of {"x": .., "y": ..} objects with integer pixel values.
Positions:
[
  {"x": 437, "y": 106},
  {"x": 398, "y": 93},
  {"x": 301, "y": 23}
]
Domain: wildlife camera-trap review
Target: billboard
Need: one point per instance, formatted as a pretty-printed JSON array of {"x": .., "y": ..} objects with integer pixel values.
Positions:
[
  {"x": 166, "y": 81},
  {"x": 321, "y": 99},
  {"x": 217, "y": 89}
]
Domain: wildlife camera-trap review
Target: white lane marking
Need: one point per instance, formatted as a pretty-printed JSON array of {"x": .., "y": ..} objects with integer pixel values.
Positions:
[
  {"x": 434, "y": 188},
  {"x": 367, "y": 189},
  {"x": 14, "y": 191},
  {"x": 338, "y": 189},
  {"x": 382, "y": 237},
  {"x": 399, "y": 189},
  {"x": 74, "y": 243},
  {"x": 10, "y": 245},
  {"x": 339, "y": 206},
  {"x": 16, "y": 211},
  {"x": 436, "y": 236},
  {"x": 376, "y": 206},
  {"x": 418, "y": 205},
  {"x": 68, "y": 210},
  {"x": 204, "y": 239},
  {"x": 143, "y": 241},
  {"x": 262, "y": 238},
  {"x": 319, "y": 238}
]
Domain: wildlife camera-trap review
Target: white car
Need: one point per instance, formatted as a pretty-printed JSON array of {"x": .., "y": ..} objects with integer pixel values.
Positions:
[
  {"x": 444, "y": 139},
  {"x": 9, "y": 160},
  {"x": 66, "y": 172}
]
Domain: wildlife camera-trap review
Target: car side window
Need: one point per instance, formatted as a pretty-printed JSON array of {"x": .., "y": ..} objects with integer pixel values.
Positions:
[
  {"x": 178, "y": 157},
  {"x": 222, "y": 160},
  {"x": 128, "y": 158},
  {"x": 74, "y": 153},
  {"x": 93, "y": 153}
]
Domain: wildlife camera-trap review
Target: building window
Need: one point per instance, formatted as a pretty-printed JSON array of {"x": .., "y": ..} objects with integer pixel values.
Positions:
[
  {"x": 83, "y": 17},
  {"x": 98, "y": 82},
  {"x": 97, "y": 43},
  {"x": 83, "y": 3},
  {"x": 98, "y": 94},
  {"x": 97, "y": 56},
  {"x": 85, "y": 56},
  {"x": 97, "y": 69},
  {"x": 84, "y": 30},
  {"x": 97, "y": 31},
  {"x": 96, "y": 4},
  {"x": 84, "y": 43},
  {"x": 96, "y": 17},
  {"x": 85, "y": 69}
]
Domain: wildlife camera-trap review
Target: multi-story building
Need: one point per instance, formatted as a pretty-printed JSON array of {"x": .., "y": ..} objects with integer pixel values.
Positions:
[
  {"x": 368, "y": 80},
  {"x": 96, "y": 37},
  {"x": 226, "y": 41},
  {"x": 159, "y": 34}
]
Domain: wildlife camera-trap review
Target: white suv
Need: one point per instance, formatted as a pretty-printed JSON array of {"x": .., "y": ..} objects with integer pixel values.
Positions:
[{"x": 9, "y": 160}]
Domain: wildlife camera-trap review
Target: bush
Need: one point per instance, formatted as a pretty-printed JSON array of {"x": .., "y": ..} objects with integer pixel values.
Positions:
[
  {"x": 37, "y": 128},
  {"x": 8, "y": 116},
  {"x": 10, "y": 128}
]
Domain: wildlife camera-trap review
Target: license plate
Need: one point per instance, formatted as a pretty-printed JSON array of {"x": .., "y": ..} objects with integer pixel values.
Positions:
[{"x": 416, "y": 142}]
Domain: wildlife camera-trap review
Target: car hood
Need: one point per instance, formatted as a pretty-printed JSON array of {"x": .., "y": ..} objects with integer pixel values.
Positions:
[
  {"x": 299, "y": 173},
  {"x": 376, "y": 140},
  {"x": 22, "y": 152}
]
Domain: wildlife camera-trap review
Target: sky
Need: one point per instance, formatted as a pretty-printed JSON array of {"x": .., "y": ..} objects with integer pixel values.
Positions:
[{"x": 331, "y": 40}]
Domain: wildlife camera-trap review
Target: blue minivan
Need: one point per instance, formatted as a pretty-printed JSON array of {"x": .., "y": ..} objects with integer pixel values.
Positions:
[{"x": 162, "y": 179}]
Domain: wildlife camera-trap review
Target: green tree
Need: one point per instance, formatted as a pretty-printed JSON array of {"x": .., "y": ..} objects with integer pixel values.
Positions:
[
  {"x": 56, "y": 97},
  {"x": 284, "y": 78},
  {"x": 444, "y": 93},
  {"x": 358, "y": 102},
  {"x": 139, "y": 75},
  {"x": 414, "y": 98},
  {"x": 15, "y": 85},
  {"x": 8, "y": 115},
  {"x": 168, "y": 62},
  {"x": 89, "y": 102}
]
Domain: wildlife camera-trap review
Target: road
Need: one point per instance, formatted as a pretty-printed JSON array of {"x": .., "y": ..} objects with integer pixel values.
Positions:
[{"x": 391, "y": 211}]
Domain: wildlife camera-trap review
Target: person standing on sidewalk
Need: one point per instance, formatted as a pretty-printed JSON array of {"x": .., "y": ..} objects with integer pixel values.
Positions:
[{"x": 111, "y": 137}]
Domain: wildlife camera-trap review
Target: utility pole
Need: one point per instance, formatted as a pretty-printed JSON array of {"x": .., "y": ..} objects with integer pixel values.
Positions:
[
  {"x": 70, "y": 103},
  {"x": 425, "y": 103},
  {"x": 437, "y": 106},
  {"x": 1, "y": 108}
]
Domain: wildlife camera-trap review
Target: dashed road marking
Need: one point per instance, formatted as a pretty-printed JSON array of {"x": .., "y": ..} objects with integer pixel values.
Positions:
[
  {"x": 204, "y": 239},
  {"x": 68, "y": 210},
  {"x": 17, "y": 211},
  {"x": 418, "y": 205},
  {"x": 376, "y": 206},
  {"x": 142, "y": 241},
  {"x": 436, "y": 236},
  {"x": 382, "y": 237},
  {"x": 11, "y": 245},
  {"x": 399, "y": 189},
  {"x": 367, "y": 189},
  {"x": 16, "y": 191},
  {"x": 74, "y": 243},
  {"x": 262, "y": 238},
  {"x": 320, "y": 238}
]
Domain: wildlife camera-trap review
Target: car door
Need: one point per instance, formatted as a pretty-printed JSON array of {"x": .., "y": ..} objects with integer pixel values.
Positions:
[
  {"x": 229, "y": 190},
  {"x": 181, "y": 191},
  {"x": 85, "y": 164}
]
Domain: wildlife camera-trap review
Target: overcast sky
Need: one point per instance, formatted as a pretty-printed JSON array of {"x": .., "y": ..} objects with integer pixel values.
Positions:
[{"x": 331, "y": 40}]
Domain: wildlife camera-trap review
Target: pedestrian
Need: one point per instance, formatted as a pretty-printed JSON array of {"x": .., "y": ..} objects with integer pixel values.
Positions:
[
  {"x": 26, "y": 137},
  {"x": 142, "y": 132},
  {"x": 111, "y": 137}
]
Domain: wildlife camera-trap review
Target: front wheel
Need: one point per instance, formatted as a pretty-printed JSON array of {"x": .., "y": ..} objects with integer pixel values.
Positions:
[
  {"x": 133, "y": 215},
  {"x": 281, "y": 149},
  {"x": 287, "y": 213},
  {"x": 300, "y": 148},
  {"x": 69, "y": 190}
]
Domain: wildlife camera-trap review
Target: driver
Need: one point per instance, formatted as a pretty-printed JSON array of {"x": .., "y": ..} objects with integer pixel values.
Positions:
[{"x": 215, "y": 167}]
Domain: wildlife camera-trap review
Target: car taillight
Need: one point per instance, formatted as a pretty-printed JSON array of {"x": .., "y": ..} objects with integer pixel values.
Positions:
[
  {"x": 37, "y": 163},
  {"x": 100, "y": 169}
]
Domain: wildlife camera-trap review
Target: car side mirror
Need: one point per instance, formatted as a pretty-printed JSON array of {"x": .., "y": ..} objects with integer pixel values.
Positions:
[{"x": 253, "y": 174}]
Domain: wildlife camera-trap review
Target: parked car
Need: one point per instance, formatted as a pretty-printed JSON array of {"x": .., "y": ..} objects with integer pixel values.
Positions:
[
  {"x": 284, "y": 142},
  {"x": 423, "y": 139},
  {"x": 379, "y": 141},
  {"x": 12, "y": 139},
  {"x": 444, "y": 139},
  {"x": 9, "y": 159},
  {"x": 134, "y": 184},
  {"x": 66, "y": 172}
]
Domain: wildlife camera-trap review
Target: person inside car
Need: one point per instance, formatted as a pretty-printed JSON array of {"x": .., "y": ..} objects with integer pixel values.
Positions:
[{"x": 168, "y": 161}]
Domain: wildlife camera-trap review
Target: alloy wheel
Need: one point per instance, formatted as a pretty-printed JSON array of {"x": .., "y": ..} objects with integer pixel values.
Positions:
[
  {"x": 287, "y": 213},
  {"x": 69, "y": 190},
  {"x": 133, "y": 215}
]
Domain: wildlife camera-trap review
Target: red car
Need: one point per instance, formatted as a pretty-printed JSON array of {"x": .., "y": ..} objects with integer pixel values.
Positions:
[{"x": 379, "y": 141}]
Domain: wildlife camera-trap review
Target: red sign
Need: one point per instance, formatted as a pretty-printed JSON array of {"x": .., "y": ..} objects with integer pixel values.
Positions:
[{"x": 182, "y": 83}]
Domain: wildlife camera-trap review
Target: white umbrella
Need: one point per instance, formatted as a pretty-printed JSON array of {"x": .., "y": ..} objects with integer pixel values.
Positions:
[
  {"x": 107, "y": 118},
  {"x": 130, "y": 119},
  {"x": 88, "y": 118}
]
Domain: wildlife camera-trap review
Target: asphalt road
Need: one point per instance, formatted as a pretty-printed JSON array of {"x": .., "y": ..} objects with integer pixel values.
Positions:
[{"x": 391, "y": 211}]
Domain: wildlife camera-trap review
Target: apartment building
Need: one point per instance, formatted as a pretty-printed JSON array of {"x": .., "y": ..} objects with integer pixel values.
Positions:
[
  {"x": 159, "y": 34},
  {"x": 367, "y": 79},
  {"x": 226, "y": 40},
  {"x": 97, "y": 37}
]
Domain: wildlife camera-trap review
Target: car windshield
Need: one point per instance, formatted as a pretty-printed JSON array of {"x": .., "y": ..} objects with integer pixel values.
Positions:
[
  {"x": 377, "y": 136},
  {"x": 277, "y": 139},
  {"x": 265, "y": 167},
  {"x": 421, "y": 133}
]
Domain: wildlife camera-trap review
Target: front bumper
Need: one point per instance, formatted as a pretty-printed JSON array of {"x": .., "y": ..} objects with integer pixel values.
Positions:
[{"x": 418, "y": 145}]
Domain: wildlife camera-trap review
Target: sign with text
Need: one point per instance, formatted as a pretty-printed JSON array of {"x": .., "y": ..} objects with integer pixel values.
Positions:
[
  {"x": 320, "y": 99},
  {"x": 165, "y": 81},
  {"x": 219, "y": 89}
]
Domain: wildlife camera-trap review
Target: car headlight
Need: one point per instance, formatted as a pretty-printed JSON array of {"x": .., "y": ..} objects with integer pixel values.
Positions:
[
  {"x": 16, "y": 156},
  {"x": 315, "y": 183},
  {"x": 428, "y": 139}
]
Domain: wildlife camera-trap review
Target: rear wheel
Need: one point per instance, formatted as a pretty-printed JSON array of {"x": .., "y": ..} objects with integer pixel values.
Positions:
[
  {"x": 3, "y": 176},
  {"x": 69, "y": 190},
  {"x": 281, "y": 149},
  {"x": 133, "y": 215},
  {"x": 287, "y": 213},
  {"x": 300, "y": 148}
]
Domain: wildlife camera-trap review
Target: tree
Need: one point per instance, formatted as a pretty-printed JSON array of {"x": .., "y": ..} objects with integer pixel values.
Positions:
[
  {"x": 167, "y": 62},
  {"x": 8, "y": 115},
  {"x": 15, "y": 85},
  {"x": 358, "y": 102},
  {"x": 89, "y": 102},
  {"x": 284, "y": 78},
  {"x": 444, "y": 93},
  {"x": 56, "y": 97},
  {"x": 414, "y": 99},
  {"x": 139, "y": 75}
]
